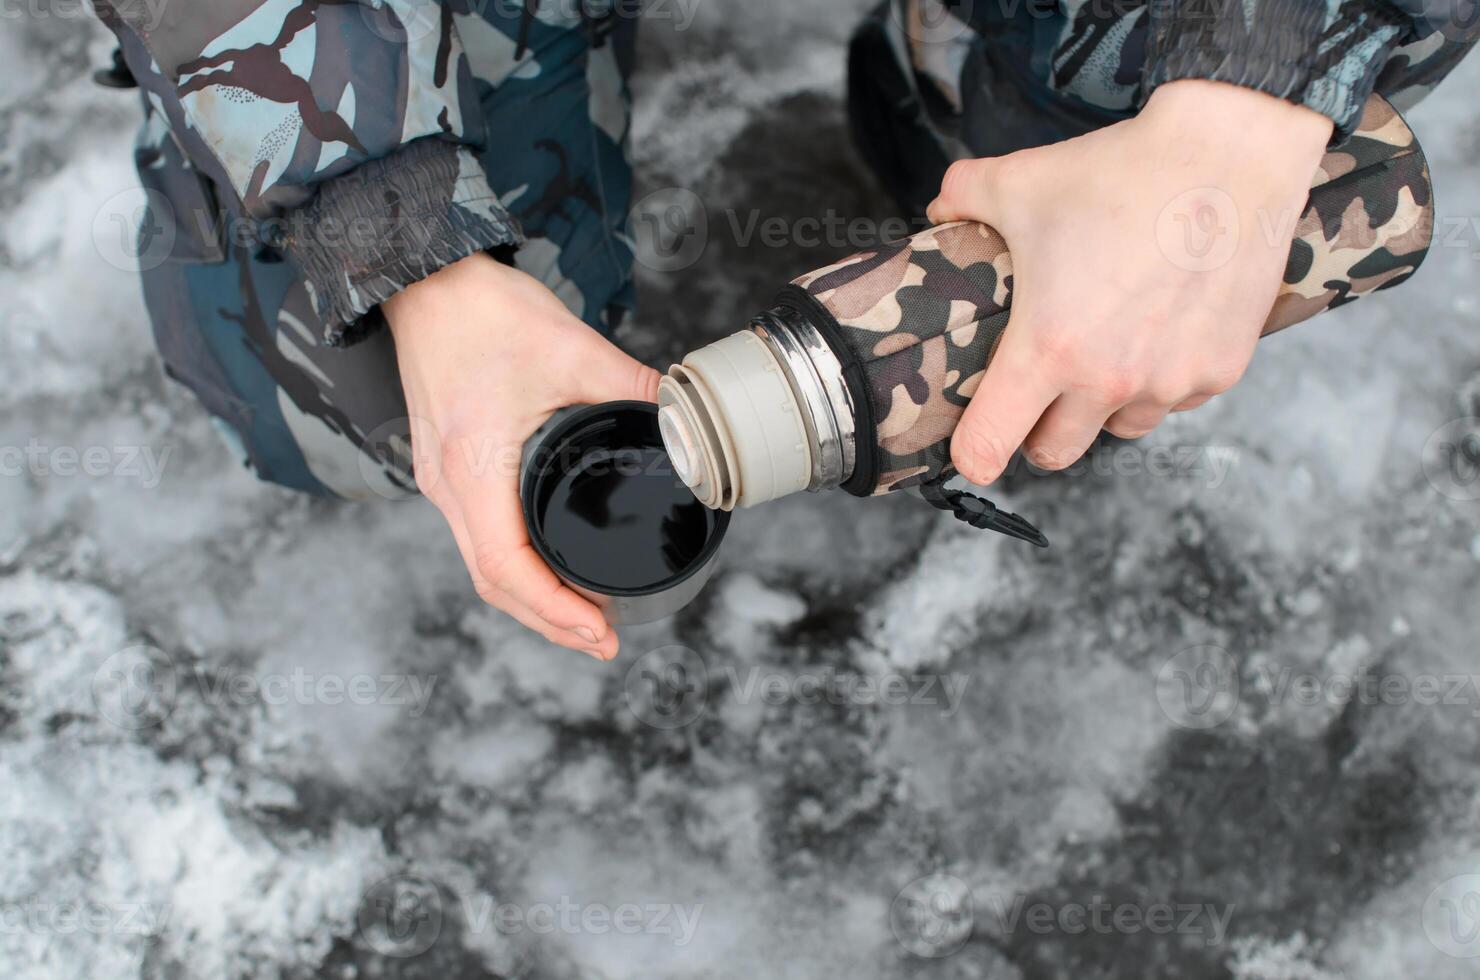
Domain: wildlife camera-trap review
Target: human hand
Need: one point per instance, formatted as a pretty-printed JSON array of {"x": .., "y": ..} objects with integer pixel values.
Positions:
[
  {"x": 486, "y": 355},
  {"x": 1128, "y": 301}
]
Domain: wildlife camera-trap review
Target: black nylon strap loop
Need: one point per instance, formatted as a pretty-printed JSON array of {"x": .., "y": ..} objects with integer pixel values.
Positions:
[{"x": 979, "y": 512}]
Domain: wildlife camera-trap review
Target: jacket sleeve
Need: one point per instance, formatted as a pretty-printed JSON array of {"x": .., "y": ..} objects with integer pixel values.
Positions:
[
  {"x": 347, "y": 131},
  {"x": 1324, "y": 54}
]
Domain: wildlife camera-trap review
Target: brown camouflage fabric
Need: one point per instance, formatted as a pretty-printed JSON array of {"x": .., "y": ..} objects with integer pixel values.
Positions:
[{"x": 924, "y": 315}]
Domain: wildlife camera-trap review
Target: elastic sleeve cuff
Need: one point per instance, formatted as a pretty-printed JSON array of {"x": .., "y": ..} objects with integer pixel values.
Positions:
[
  {"x": 1304, "y": 51},
  {"x": 388, "y": 223}
]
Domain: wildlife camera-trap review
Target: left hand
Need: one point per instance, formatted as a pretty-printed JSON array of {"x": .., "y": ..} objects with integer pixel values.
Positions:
[
  {"x": 486, "y": 353},
  {"x": 1146, "y": 258}
]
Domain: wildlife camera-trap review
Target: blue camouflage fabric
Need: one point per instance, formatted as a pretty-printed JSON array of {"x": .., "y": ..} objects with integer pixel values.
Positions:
[
  {"x": 306, "y": 159},
  {"x": 932, "y": 81}
]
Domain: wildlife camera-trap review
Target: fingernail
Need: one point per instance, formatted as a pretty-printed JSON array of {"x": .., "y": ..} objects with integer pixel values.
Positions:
[
  {"x": 597, "y": 654},
  {"x": 586, "y": 633}
]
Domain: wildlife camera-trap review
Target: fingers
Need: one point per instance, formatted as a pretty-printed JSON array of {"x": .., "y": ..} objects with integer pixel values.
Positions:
[
  {"x": 509, "y": 575},
  {"x": 1136, "y": 419},
  {"x": 604, "y": 649},
  {"x": 966, "y": 192},
  {"x": 1187, "y": 404},
  {"x": 1068, "y": 428},
  {"x": 606, "y": 373},
  {"x": 1007, "y": 404},
  {"x": 507, "y": 562}
]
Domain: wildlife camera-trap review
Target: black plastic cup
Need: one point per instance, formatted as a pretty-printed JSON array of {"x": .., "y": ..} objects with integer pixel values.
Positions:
[{"x": 609, "y": 516}]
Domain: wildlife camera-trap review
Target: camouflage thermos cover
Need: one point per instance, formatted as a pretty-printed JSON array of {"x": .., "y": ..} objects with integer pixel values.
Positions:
[{"x": 915, "y": 322}]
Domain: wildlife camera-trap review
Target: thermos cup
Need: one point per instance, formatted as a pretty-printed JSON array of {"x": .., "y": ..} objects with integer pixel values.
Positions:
[
  {"x": 858, "y": 373},
  {"x": 606, "y": 513}
]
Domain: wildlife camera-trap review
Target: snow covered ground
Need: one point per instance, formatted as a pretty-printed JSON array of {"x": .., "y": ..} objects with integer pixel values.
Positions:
[{"x": 1226, "y": 726}]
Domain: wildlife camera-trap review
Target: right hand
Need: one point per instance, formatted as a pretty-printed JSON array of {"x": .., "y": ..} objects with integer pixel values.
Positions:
[
  {"x": 1121, "y": 314},
  {"x": 486, "y": 355}
]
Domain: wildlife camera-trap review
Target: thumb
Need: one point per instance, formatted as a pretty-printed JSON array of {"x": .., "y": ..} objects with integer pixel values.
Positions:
[
  {"x": 1013, "y": 393},
  {"x": 967, "y": 192},
  {"x": 604, "y": 372}
]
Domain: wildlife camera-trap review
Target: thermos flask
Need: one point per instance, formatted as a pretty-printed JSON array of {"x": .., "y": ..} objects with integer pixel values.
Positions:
[{"x": 857, "y": 374}]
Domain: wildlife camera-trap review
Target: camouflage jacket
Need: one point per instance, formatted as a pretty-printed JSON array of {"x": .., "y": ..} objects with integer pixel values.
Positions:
[
  {"x": 1005, "y": 74},
  {"x": 346, "y": 133}
]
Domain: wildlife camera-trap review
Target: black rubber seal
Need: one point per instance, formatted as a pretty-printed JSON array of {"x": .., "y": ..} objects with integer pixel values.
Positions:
[
  {"x": 865, "y": 476},
  {"x": 573, "y": 432}
]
